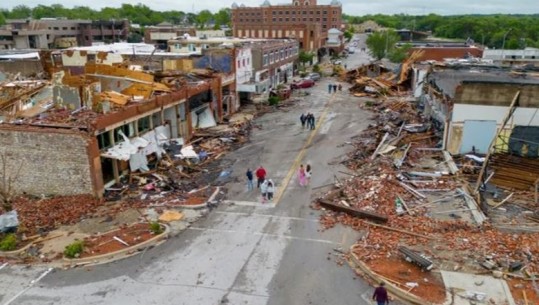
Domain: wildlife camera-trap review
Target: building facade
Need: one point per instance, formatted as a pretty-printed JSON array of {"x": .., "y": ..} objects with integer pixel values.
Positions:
[
  {"x": 53, "y": 33},
  {"x": 303, "y": 20},
  {"x": 116, "y": 115},
  {"x": 528, "y": 56},
  {"x": 468, "y": 104}
]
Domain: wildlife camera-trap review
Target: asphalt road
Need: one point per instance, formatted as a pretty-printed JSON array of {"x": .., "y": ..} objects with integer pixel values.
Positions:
[{"x": 243, "y": 252}]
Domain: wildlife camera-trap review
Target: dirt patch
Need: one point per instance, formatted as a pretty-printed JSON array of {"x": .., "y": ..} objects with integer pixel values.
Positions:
[
  {"x": 517, "y": 288},
  {"x": 430, "y": 286},
  {"x": 103, "y": 244}
]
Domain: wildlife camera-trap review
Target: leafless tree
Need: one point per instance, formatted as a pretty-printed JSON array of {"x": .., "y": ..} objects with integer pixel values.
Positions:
[{"x": 7, "y": 191}]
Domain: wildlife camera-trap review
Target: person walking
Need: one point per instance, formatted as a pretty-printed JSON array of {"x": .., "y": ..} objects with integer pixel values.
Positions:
[
  {"x": 264, "y": 190},
  {"x": 260, "y": 175},
  {"x": 311, "y": 121},
  {"x": 302, "y": 176},
  {"x": 380, "y": 295},
  {"x": 303, "y": 119},
  {"x": 345, "y": 66},
  {"x": 340, "y": 87},
  {"x": 270, "y": 189},
  {"x": 334, "y": 88},
  {"x": 329, "y": 88},
  {"x": 250, "y": 184},
  {"x": 308, "y": 173}
]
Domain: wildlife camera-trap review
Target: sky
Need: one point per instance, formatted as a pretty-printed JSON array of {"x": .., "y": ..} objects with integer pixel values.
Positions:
[{"x": 350, "y": 7}]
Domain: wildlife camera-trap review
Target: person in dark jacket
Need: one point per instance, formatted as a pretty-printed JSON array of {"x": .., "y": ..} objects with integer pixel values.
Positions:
[
  {"x": 380, "y": 295},
  {"x": 311, "y": 121},
  {"x": 249, "y": 175},
  {"x": 303, "y": 119}
]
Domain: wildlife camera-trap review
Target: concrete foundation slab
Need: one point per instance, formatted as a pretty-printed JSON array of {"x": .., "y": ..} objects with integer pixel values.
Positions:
[{"x": 471, "y": 287}]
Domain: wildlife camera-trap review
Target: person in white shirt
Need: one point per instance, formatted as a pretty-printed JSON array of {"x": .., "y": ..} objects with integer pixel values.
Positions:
[{"x": 270, "y": 189}]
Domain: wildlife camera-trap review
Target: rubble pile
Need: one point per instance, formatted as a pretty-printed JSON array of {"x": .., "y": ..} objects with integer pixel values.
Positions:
[
  {"x": 397, "y": 175},
  {"x": 42, "y": 215}
]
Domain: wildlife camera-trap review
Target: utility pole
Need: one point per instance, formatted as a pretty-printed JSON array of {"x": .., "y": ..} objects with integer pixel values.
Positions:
[{"x": 503, "y": 43}]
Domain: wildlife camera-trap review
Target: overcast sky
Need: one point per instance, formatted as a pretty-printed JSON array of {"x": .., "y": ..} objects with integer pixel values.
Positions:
[{"x": 350, "y": 7}]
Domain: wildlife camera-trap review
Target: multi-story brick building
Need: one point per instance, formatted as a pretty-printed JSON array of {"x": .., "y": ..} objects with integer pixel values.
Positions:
[
  {"x": 60, "y": 33},
  {"x": 304, "y": 20}
]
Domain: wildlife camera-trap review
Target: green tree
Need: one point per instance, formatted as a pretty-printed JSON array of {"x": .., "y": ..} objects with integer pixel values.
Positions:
[
  {"x": 108, "y": 13},
  {"x": 83, "y": 12},
  {"x": 19, "y": 12},
  {"x": 305, "y": 57},
  {"x": 222, "y": 17},
  {"x": 399, "y": 53},
  {"x": 203, "y": 18},
  {"x": 348, "y": 35},
  {"x": 382, "y": 43}
]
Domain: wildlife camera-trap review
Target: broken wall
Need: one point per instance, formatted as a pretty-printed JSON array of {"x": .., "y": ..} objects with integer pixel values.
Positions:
[
  {"x": 51, "y": 162},
  {"x": 26, "y": 68},
  {"x": 489, "y": 102}
]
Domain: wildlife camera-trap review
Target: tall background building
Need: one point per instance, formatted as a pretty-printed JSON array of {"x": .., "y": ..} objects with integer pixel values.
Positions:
[{"x": 303, "y": 20}]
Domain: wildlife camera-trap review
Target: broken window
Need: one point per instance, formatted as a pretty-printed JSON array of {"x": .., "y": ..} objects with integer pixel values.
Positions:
[
  {"x": 103, "y": 141},
  {"x": 143, "y": 124}
]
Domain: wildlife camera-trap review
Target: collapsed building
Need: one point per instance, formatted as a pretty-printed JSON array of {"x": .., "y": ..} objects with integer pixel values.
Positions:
[
  {"x": 446, "y": 177},
  {"x": 81, "y": 132},
  {"x": 487, "y": 111}
]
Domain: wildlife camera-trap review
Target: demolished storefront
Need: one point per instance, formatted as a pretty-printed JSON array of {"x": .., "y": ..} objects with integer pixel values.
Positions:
[
  {"x": 469, "y": 105},
  {"x": 81, "y": 133}
]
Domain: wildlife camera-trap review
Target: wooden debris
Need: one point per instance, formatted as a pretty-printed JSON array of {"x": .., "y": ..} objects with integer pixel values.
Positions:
[{"x": 352, "y": 211}]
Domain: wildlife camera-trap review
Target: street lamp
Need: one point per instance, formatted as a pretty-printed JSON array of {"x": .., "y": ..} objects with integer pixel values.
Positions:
[{"x": 503, "y": 43}]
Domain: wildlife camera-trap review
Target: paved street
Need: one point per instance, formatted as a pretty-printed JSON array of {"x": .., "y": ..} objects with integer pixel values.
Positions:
[{"x": 243, "y": 252}]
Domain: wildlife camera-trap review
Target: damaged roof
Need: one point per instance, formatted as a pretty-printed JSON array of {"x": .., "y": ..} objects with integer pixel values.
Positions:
[{"x": 448, "y": 79}]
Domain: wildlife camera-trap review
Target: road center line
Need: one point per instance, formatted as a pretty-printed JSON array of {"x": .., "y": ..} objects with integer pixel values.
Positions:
[
  {"x": 266, "y": 215},
  {"x": 264, "y": 234},
  {"x": 301, "y": 153}
]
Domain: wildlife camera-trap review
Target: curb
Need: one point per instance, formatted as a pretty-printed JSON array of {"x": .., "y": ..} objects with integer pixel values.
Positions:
[
  {"x": 202, "y": 205},
  {"x": 120, "y": 254},
  {"x": 401, "y": 295},
  {"x": 15, "y": 253}
]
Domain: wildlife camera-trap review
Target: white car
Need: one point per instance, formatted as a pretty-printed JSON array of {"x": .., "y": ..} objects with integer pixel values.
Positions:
[{"x": 337, "y": 62}]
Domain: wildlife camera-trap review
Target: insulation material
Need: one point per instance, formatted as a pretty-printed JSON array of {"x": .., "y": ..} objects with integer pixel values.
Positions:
[
  {"x": 203, "y": 118},
  {"x": 188, "y": 152},
  {"x": 138, "y": 161},
  {"x": 125, "y": 149}
]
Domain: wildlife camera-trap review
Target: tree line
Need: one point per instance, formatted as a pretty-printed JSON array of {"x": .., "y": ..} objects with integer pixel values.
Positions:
[
  {"x": 138, "y": 14},
  {"x": 520, "y": 31}
]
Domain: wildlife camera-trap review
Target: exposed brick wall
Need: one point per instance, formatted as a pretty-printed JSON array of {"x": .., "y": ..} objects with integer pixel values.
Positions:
[{"x": 51, "y": 162}]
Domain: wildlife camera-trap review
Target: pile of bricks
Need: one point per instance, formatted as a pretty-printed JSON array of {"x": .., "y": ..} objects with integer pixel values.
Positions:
[
  {"x": 42, "y": 215},
  {"x": 374, "y": 184}
]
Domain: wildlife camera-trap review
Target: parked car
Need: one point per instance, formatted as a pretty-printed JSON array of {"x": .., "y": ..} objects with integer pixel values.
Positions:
[
  {"x": 302, "y": 83},
  {"x": 314, "y": 76},
  {"x": 337, "y": 62}
]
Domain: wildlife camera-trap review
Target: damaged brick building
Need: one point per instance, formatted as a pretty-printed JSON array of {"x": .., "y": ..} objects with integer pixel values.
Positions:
[{"x": 78, "y": 133}]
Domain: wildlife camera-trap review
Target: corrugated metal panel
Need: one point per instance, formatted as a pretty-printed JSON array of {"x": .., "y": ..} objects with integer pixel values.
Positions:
[{"x": 477, "y": 135}]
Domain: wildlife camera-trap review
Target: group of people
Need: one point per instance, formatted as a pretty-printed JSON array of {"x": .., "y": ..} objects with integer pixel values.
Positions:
[
  {"x": 334, "y": 87},
  {"x": 266, "y": 186},
  {"x": 307, "y": 119}
]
